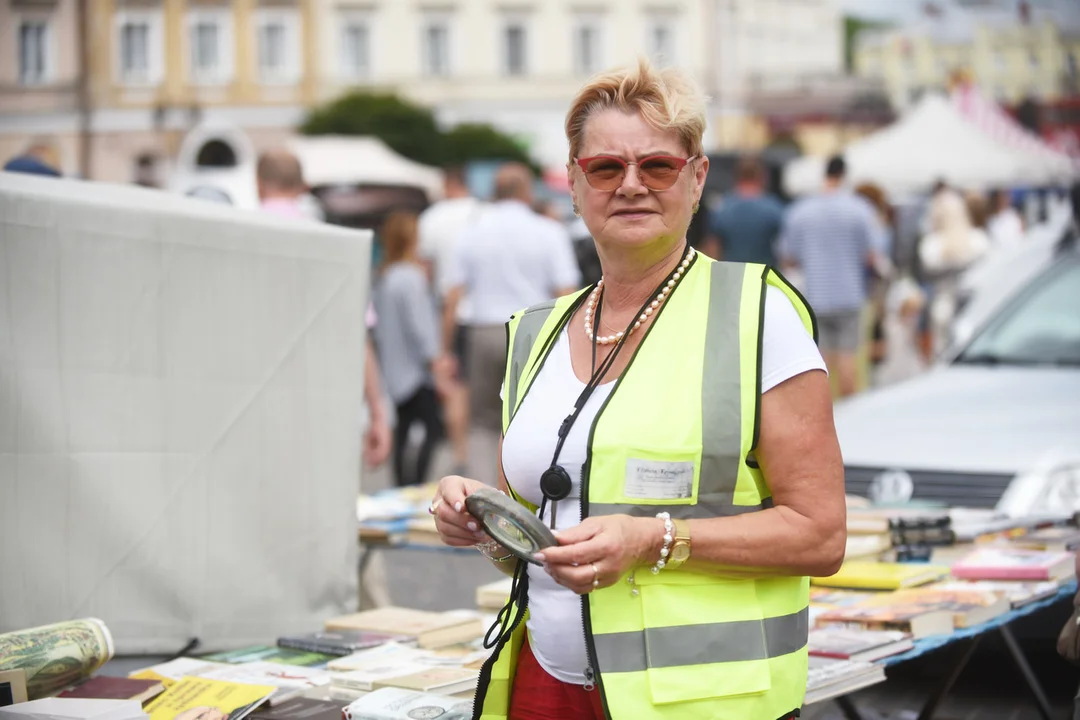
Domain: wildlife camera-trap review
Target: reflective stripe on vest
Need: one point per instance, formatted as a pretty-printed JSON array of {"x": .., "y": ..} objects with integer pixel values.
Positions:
[{"x": 691, "y": 645}]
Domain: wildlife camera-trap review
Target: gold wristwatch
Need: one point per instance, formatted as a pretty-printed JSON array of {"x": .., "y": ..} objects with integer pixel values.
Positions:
[{"x": 680, "y": 547}]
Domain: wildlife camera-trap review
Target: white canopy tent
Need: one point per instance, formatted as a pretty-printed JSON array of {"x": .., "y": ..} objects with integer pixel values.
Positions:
[
  {"x": 932, "y": 141},
  {"x": 343, "y": 160}
]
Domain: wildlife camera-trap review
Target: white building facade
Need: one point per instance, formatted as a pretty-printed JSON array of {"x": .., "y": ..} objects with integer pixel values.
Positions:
[{"x": 517, "y": 63}]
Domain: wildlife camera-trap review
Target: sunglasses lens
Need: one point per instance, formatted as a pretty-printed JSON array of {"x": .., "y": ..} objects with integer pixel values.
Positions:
[
  {"x": 660, "y": 173},
  {"x": 604, "y": 173}
]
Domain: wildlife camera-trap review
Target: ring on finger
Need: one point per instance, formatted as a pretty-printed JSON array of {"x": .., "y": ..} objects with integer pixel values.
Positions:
[
  {"x": 435, "y": 505},
  {"x": 595, "y": 576}
]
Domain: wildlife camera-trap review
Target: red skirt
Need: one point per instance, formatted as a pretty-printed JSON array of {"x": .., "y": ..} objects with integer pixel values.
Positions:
[{"x": 536, "y": 695}]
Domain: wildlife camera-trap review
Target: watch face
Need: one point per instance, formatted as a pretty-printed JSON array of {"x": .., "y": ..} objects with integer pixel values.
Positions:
[{"x": 680, "y": 552}]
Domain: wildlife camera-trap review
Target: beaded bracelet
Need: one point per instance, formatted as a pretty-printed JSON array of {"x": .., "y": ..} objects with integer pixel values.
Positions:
[
  {"x": 669, "y": 536},
  {"x": 487, "y": 548}
]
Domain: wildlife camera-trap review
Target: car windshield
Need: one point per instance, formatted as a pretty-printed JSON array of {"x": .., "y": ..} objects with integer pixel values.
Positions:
[{"x": 1042, "y": 327}]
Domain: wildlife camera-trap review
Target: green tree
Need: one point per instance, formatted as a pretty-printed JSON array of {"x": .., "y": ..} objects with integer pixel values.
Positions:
[{"x": 411, "y": 130}]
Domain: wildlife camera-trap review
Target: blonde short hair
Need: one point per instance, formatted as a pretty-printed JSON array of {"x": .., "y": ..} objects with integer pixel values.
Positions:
[{"x": 666, "y": 99}]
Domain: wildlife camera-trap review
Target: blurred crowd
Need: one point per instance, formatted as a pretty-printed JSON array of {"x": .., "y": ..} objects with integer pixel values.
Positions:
[{"x": 445, "y": 281}]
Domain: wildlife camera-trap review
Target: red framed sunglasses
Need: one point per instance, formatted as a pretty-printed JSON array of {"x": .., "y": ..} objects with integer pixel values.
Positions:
[{"x": 657, "y": 172}]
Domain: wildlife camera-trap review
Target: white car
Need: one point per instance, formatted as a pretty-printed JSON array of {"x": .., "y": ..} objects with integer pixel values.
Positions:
[{"x": 997, "y": 425}]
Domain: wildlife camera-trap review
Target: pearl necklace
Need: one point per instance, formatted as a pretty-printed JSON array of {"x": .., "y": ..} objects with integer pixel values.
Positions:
[{"x": 594, "y": 296}]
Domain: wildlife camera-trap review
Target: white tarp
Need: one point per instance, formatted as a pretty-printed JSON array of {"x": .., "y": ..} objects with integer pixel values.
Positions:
[
  {"x": 180, "y": 415},
  {"x": 344, "y": 160},
  {"x": 931, "y": 141}
]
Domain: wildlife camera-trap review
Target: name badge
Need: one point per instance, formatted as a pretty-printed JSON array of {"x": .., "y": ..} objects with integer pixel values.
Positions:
[{"x": 659, "y": 480}]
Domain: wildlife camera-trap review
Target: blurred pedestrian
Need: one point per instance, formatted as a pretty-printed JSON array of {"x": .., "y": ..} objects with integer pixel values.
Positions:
[
  {"x": 747, "y": 225},
  {"x": 832, "y": 240},
  {"x": 408, "y": 343},
  {"x": 39, "y": 158},
  {"x": 440, "y": 228},
  {"x": 879, "y": 280},
  {"x": 1005, "y": 226},
  {"x": 280, "y": 183},
  {"x": 509, "y": 259},
  {"x": 951, "y": 246}
]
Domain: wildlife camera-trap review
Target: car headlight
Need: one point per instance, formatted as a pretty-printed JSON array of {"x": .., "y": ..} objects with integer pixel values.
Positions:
[{"x": 1052, "y": 492}]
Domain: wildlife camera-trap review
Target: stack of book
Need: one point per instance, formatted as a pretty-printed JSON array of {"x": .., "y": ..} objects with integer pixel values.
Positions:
[{"x": 830, "y": 678}]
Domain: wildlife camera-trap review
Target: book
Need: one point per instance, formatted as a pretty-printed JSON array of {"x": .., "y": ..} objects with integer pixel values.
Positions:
[
  {"x": 429, "y": 629},
  {"x": 401, "y": 704},
  {"x": 868, "y": 545},
  {"x": 12, "y": 687},
  {"x": 54, "y": 708},
  {"x": 441, "y": 680},
  {"x": 824, "y": 599},
  {"x": 1006, "y": 563},
  {"x": 1018, "y": 593},
  {"x": 379, "y": 655},
  {"x": 493, "y": 595},
  {"x": 289, "y": 681},
  {"x": 861, "y": 574},
  {"x": 269, "y": 653},
  {"x": 1050, "y": 539},
  {"x": 969, "y": 606},
  {"x": 365, "y": 679},
  {"x": 55, "y": 656},
  {"x": 116, "y": 688},
  {"x": 887, "y": 612},
  {"x": 346, "y": 695},
  {"x": 858, "y": 644},
  {"x": 302, "y": 708},
  {"x": 231, "y": 700},
  {"x": 828, "y": 678},
  {"x": 340, "y": 642},
  {"x": 176, "y": 670}
]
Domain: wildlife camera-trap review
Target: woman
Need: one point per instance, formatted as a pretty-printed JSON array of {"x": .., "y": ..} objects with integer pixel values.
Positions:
[
  {"x": 408, "y": 340},
  {"x": 697, "y": 505}
]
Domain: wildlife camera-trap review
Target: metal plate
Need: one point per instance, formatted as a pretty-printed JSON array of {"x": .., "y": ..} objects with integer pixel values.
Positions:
[{"x": 510, "y": 524}]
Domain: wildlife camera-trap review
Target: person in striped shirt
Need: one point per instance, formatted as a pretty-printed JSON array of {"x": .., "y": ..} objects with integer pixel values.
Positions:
[{"x": 834, "y": 241}]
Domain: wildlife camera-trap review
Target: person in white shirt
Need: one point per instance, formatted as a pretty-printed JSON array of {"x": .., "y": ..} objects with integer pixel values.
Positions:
[
  {"x": 1005, "y": 226},
  {"x": 440, "y": 228},
  {"x": 508, "y": 259}
]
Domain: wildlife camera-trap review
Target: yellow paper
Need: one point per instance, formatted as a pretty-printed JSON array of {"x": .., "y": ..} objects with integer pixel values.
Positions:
[{"x": 191, "y": 697}]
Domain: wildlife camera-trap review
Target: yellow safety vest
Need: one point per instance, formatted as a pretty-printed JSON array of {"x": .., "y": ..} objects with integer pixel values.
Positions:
[{"x": 690, "y": 645}]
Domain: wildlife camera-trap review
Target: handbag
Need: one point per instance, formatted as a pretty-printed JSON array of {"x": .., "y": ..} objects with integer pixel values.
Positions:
[{"x": 1068, "y": 642}]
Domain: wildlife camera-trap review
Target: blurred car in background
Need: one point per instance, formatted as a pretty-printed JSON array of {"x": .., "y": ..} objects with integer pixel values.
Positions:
[{"x": 997, "y": 424}]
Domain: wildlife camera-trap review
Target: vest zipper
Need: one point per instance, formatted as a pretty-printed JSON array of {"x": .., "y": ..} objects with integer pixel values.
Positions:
[{"x": 483, "y": 680}]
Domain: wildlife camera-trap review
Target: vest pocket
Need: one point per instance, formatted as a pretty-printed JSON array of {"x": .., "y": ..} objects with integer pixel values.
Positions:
[{"x": 703, "y": 639}]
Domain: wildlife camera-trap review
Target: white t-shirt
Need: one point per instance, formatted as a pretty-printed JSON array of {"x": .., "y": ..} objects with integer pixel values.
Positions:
[
  {"x": 439, "y": 228},
  {"x": 511, "y": 259},
  {"x": 556, "y": 632}
]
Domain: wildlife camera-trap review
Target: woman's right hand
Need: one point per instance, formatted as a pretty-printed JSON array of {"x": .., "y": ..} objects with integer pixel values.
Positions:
[{"x": 452, "y": 519}]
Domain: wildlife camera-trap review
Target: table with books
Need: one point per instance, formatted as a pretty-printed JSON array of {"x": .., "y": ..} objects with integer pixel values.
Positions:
[{"x": 976, "y": 574}]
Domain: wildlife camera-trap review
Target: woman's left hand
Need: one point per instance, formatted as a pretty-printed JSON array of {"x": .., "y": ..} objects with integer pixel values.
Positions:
[{"x": 601, "y": 550}]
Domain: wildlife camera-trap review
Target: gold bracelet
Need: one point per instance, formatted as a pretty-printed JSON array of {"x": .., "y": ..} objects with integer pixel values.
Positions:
[{"x": 486, "y": 549}]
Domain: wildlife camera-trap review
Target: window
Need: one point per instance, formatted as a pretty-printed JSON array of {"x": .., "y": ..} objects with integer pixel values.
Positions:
[
  {"x": 210, "y": 46},
  {"x": 587, "y": 58},
  {"x": 138, "y": 47},
  {"x": 355, "y": 47},
  {"x": 276, "y": 41},
  {"x": 436, "y": 44},
  {"x": 33, "y": 52},
  {"x": 514, "y": 48},
  {"x": 661, "y": 40}
]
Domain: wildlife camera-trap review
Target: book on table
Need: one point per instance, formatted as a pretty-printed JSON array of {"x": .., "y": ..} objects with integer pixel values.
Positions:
[
  {"x": 270, "y": 653},
  {"x": 441, "y": 680},
  {"x": 57, "y": 708},
  {"x": 340, "y": 642},
  {"x": 365, "y": 679},
  {"x": 302, "y": 708},
  {"x": 493, "y": 595},
  {"x": 175, "y": 670},
  {"x": 1018, "y": 592},
  {"x": 116, "y": 688},
  {"x": 1050, "y": 539},
  {"x": 429, "y": 629},
  {"x": 1008, "y": 563},
  {"x": 858, "y": 644},
  {"x": 401, "y": 704},
  {"x": 829, "y": 678},
  {"x": 289, "y": 681},
  {"x": 885, "y": 611},
  {"x": 236, "y": 700},
  {"x": 867, "y": 575}
]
